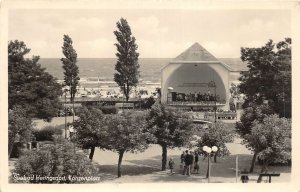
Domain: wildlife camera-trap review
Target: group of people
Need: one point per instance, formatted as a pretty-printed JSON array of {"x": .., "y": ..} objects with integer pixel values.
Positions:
[
  {"x": 196, "y": 97},
  {"x": 188, "y": 162}
]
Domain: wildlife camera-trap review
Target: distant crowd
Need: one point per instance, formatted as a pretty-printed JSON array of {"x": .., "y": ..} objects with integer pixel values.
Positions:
[{"x": 196, "y": 97}]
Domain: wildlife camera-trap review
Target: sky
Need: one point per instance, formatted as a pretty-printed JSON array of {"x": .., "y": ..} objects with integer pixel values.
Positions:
[{"x": 159, "y": 33}]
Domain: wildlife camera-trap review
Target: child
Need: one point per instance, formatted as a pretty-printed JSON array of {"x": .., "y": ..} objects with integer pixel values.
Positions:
[
  {"x": 171, "y": 165},
  {"x": 196, "y": 168}
]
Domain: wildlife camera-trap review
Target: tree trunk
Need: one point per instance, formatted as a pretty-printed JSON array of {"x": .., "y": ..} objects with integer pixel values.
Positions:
[
  {"x": 263, "y": 169},
  {"x": 127, "y": 92},
  {"x": 121, "y": 153},
  {"x": 92, "y": 153},
  {"x": 164, "y": 158},
  {"x": 253, "y": 162},
  {"x": 10, "y": 148}
]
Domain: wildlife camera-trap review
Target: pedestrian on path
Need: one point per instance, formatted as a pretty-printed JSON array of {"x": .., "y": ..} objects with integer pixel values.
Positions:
[
  {"x": 192, "y": 160},
  {"x": 182, "y": 156},
  {"x": 196, "y": 168},
  {"x": 189, "y": 159},
  {"x": 171, "y": 165},
  {"x": 244, "y": 177},
  {"x": 185, "y": 163},
  {"x": 196, "y": 165}
]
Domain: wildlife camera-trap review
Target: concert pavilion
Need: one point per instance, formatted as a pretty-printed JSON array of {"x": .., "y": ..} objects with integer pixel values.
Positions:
[{"x": 197, "y": 80}]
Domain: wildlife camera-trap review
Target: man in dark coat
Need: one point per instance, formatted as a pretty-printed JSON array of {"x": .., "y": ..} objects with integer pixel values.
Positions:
[{"x": 189, "y": 159}]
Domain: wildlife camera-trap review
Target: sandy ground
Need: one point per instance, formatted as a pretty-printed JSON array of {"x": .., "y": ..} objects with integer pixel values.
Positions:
[{"x": 146, "y": 166}]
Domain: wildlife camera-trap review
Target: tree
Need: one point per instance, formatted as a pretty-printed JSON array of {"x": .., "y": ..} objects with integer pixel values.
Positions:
[
  {"x": 53, "y": 161},
  {"x": 90, "y": 129},
  {"x": 29, "y": 86},
  {"x": 127, "y": 66},
  {"x": 269, "y": 76},
  {"x": 127, "y": 133},
  {"x": 71, "y": 70},
  {"x": 216, "y": 135},
  {"x": 19, "y": 127},
  {"x": 171, "y": 128},
  {"x": 244, "y": 126},
  {"x": 271, "y": 139}
]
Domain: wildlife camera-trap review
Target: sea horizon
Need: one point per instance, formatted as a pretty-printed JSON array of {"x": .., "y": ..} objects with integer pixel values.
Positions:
[{"x": 104, "y": 68}]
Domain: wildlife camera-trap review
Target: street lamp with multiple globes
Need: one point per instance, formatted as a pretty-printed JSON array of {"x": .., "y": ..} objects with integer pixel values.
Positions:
[{"x": 209, "y": 151}]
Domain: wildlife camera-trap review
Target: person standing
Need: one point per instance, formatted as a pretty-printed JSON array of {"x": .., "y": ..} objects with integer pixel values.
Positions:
[
  {"x": 171, "y": 165},
  {"x": 188, "y": 162},
  {"x": 185, "y": 162},
  {"x": 192, "y": 160},
  {"x": 196, "y": 166},
  {"x": 244, "y": 177},
  {"x": 182, "y": 156}
]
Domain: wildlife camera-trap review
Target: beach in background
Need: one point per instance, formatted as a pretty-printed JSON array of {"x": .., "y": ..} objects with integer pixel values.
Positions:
[{"x": 104, "y": 68}]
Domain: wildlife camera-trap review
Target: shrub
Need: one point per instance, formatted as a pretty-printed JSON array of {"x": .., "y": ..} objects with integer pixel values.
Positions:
[
  {"x": 16, "y": 150},
  {"x": 109, "y": 110},
  {"x": 147, "y": 104},
  {"x": 53, "y": 161},
  {"x": 47, "y": 133}
]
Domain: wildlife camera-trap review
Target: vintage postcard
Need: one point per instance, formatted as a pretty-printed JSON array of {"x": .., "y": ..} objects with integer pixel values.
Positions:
[{"x": 149, "y": 95}]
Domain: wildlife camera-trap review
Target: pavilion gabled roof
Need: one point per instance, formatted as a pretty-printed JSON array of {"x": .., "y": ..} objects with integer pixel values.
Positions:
[
  {"x": 198, "y": 54},
  {"x": 195, "y": 53}
]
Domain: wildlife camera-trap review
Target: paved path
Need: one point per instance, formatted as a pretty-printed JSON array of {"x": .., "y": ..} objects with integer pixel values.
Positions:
[{"x": 145, "y": 167}]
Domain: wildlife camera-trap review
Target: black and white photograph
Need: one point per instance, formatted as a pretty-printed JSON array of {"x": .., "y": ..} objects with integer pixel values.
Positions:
[{"x": 148, "y": 94}]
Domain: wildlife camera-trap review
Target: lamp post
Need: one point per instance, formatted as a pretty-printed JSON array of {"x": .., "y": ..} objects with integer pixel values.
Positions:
[
  {"x": 213, "y": 84},
  {"x": 169, "y": 90},
  {"x": 209, "y": 151},
  {"x": 72, "y": 130}
]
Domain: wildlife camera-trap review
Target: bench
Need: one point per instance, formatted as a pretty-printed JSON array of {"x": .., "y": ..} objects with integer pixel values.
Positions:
[{"x": 261, "y": 175}]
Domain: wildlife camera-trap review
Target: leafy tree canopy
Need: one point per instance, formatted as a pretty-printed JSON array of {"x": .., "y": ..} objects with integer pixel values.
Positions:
[
  {"x": 216, "y": 135},
  {"x": 172, "y": 128},
  {"x": 269, "y": 76},
  {"x": 29, "y": 86},
  {"x": 91, "y": 129},
  {"x": 249, "y": 115},
  {"x": 128, "y": 133},
  {"x": 19, "y": 127},
  {"x": 271, "y": 139}
]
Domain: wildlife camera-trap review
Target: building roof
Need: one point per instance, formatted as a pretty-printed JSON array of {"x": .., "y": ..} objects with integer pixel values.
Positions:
[
  {"x": 236, "y": 64},
  {"x": 198, "y": 54},
  {"x": 195, "y": 53}
]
